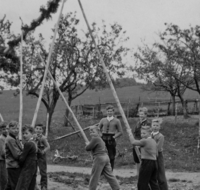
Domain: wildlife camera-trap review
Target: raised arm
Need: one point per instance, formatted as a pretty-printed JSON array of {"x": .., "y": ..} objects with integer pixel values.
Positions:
[
  {"x": 92, "y": 144},
  {"x": 138, "y": 142}
]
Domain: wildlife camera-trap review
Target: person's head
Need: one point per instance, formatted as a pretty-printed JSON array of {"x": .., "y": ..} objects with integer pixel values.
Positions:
[
  {"x": 110, "y": 110},
  {"x": 27, "y": 132},
  {"x": 155, "y": 125},
  {"x": 145, "y": 132},
  {"x": 94, "y": 131},
  {"x": 39, "y": 129},
  {"x": 13, "y": 128},
  {"x": 3, "y": 128},
  {"x": 142, "y": 112}
]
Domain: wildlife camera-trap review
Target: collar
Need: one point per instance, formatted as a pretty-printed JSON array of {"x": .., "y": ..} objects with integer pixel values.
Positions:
[
  {"x": 155, "y": 133},
  {"x": 31, "y": 139},
  {"x": 13, "y": 136},
  {"x": 110, "y": 118}
]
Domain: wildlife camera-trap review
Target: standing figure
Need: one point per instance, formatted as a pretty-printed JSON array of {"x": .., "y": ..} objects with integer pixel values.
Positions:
[
  {"x": 28, "y": 161},
  {"x": 101, "y": 162},
  {"x": 148, "y": 169},
  {"x": 159, "y": 138},
  {"x": 13, "y": 151},
  {"x": 3, "y": 172},
  {"x": 111, "y": 129},
  {"x": 143, "y": 121},
  {"x": 43, "y": 147}
]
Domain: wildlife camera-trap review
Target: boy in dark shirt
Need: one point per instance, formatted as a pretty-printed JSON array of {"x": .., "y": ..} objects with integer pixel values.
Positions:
[
  {"x": 28, "y": 161},
  {"x": 101, "y": 162},
  {"x": 3, "y": 172},
  {"x": 13, "y": 151},
  {"x": 148, "y": 168},
  {"x": 159, "y": 138},
  {"x": 43, "y": 147}
]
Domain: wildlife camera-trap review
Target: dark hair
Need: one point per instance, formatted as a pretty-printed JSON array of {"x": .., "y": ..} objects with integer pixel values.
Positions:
[
  {"x": 3, "y": 125},
  {"x": 13, "y": 124},
  {"x": 110, "y": 107},
  {"x": 28, "y": 128},
  {"x": 40, "y": 125}
]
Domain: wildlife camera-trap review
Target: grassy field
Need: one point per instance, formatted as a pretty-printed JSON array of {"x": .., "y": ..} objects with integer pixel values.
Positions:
[{"x": 180, "y": 140}]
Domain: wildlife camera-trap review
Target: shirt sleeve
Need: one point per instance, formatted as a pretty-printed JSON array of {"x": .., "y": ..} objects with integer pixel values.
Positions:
[
  {"x": 14, "y": 149},
  {"x": 2, "y": 148},
  {"x": 26, "y": 150},
  {"x": 101, "y": 125},
  {"x": 141, "y": 142},
  {"x": 91, "y": 145},
  {"x": 46, "y": 144},
  {"x": 119, "y": 126},
  {"x": 160, "y": 143}
]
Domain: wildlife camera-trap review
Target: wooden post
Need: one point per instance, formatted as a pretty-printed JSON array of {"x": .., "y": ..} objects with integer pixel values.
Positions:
[
  {"x": 47, "y": 68},
  {"x": 21, "y": 90},
  {"x": 66, "y": 103},
  {"x": 47, "y": 125},
  {"x": 198, "y": 144},
  {"x": 1, "y": 117},
  {"x": 128, "y": 129},
  {"x": 176, "y": 107}
]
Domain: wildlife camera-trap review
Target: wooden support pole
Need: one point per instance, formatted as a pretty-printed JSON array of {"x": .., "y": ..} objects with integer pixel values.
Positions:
[
  {"x": 73, "y": 133},
  {"x": 47, "y": 125},
  {"x": 47, "y": 68},
  {"x": 66, "y": 103},
  {"x": 198, "y": 144},
  {"x": 21, "y": 90},
  {"x": 128, "y": 129}
]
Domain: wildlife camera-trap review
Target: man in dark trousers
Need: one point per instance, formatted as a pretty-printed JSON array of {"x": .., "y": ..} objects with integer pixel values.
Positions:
[{"x": 111, "y": 129}]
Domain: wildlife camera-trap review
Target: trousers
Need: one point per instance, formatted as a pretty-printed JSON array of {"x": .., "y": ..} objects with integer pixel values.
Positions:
[
  {"x": 42, "y": 164},
  {"x": 3, "y": 175},
  {"x": 101, "y": 166}
]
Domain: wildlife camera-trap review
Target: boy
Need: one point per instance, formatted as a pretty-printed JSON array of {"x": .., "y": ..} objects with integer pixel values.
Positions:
[
  {"x": 148, "y": 168},
  {"x": 3, "y": 172},
  {"x": 13, "y": 150},
  {"x": 111, "y": 129},
  {"x": 101, "y": 162},
  {"x": 28, "y": 161},
  {"x": 159, "y": 138},
  {"x": 143, "y": 121},
  {"x": 43, "y": 147}
]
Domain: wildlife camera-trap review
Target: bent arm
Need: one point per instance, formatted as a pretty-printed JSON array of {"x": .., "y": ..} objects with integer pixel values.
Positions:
[{"x": 119, "y": 129}]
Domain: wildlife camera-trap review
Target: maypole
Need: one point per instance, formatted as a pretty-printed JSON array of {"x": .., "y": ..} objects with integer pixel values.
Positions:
[
  {"x": 66, "y": 103},
  {"x": 21, "y": 90},
  {"x": 47, "y": 67},
  {"x": 128, "y": 129}
]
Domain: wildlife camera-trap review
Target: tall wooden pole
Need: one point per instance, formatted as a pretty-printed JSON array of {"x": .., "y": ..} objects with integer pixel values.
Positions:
[
  {"x": 1, "y": 117},
  {"x": 47, "y": 67},
  {"x": 66, "y": 103},
  {"x": 21, "y": 90},
  {"x": 128, "y": 129}
]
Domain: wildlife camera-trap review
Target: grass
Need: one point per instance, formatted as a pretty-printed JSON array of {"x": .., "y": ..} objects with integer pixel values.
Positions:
[{"x": 180, "y": 140}]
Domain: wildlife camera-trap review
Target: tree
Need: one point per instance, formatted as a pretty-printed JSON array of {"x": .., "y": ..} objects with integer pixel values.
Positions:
[
  {"x": 183, "y": 47},
  {"x": 154, "y": 65},
  {"x": 74, "y": 64}
]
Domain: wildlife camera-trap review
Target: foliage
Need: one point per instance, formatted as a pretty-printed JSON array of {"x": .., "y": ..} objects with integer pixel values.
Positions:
[{"x": 74, "y": 64}]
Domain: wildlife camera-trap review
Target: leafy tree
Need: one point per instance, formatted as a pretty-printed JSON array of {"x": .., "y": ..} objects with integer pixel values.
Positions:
[
  {"x": 154, "y": 65},
  {"x": 74, "y": 64}
]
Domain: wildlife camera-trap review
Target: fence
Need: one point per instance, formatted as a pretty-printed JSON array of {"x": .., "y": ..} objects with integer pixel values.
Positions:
[{"x": 155, "y": 108}]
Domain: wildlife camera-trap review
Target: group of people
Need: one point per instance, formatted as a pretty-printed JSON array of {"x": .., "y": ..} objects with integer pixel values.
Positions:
[
  {"x": 20, "y": 160},
  {"x": 147, "y": 151}
]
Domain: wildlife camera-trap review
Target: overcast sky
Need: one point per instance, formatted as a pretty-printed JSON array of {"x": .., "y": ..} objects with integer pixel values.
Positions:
[{"x": 142, "y": 19}]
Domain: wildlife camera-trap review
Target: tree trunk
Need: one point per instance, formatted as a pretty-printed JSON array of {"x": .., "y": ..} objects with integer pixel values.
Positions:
[
  {"x": 48, "y": 120},
  {"x": 66, "y": 118},
  {"x": 173, "y": 104}
]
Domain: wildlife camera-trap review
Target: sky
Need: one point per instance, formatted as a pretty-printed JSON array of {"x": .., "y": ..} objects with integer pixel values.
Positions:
[{"x": 142, "y": 19}]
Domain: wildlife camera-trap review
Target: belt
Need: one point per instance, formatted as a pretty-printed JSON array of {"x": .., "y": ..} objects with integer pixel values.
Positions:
[{"x": 108, "y": 137}]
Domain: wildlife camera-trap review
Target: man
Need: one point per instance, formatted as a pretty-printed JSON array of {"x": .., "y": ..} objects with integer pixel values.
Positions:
[
  {"x": 13, "y": 151},
  {"x": 3, "y": 172},
  {"x": 111, "y": 129},
  {"x": 143, "y": 121}
]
